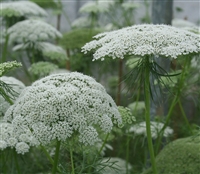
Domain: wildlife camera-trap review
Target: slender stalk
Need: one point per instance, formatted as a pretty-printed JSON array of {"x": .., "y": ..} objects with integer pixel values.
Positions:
[
  {"x": 166, "y": 123},
  {"x": 120, "y": 72},
  {"x": 47, "y": 154},
  {"x": 147, "y": 116},
  {"x": 56, "y": 158},
  {"x": 16, "y": 162},
  {"x": 127, "y": 153},
  {"x": 184, "y": 116},
  {"x": 103, "y": 144},
  {"x": 72, "y": 161},
  {"x": 174, "y": 102},
  {"x": 5, "y": 49}
]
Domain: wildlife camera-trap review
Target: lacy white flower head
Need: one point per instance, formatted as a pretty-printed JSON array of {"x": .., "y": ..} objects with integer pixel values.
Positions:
[
  {"x": 13, "y": 138},
  {"x": 42, "y": 69},
  {"x": 180, "y": 23},
  {"x": 140, "y": 129},
  {"x": 61, "y": 105},
  {"x": 141, "y": 40},
  {"x": 95, "y": 7},
  {"x": 130, "y": 5},
  {"x": 137, "y": 106},
  {"x": 7, "y": 66},
  {"x": 114, "y": 165},
  {"x": 49, "y": 50},
  {"x": 194, "y": 29},
  {"x": 16, "y": 85},
  {"x": 21, "y": 8},
  {"x": 81, "y": 22},
  {"x": 32, "y": 31}
]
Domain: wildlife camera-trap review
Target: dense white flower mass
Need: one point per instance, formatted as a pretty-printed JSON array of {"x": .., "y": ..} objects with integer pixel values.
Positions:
[
  {"x": 32, "y": 31},
  {"x": 140, "y": 129},
  {"x": 144, "y": 39},
  {"x": 13, "y": 137},
  {"x": 95, "y": 7},
  {"x": 61, "y": 105},
  {"x": 16, "y": 85},
  {"x": 21, "y": 8}
]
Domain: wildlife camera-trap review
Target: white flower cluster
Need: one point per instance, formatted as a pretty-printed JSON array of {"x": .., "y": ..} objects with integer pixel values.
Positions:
[
  {"x": 52, "y": 51},
  {"x": 21, "y": 8},
  {"x": 49, "y": 50},
  {"x": 32, "y": 31},
  {"x": 14, "y": 136},
  {"x": 130, "y": 5},
  {"x": 180, "y": 23},
  {"x": 81, "y": 22},
  {"x": 16, "y": 85},
  {"x": 114, "y": 165},
  {"x": 61, "y": 105},
  {"x": 144, "y": 39},
  {"x": 95, "y": 7},
  {"x": 186, "y": 25},
  {"x": 140, "y": 129},
  {"x": 42, "y": 69},
  {"x": 7, "y": 66}
]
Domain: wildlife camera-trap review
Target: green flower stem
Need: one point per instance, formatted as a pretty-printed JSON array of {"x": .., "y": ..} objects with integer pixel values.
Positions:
[
  {"x": 105, "y": 140},
  {"x": 72, "y": 161},
  {"x": 147, "y": 115},
  {"x": 5, "y": 49},
  {"x": 127, "y": 153},
  {"x": 56, "y": 158},
  {"x": 16, "y": 162},
  {"x": 158, "y": 143},
  {"x": 47, "y": 154},
  {"x": 174, "y": 102},
  {"x": 49, "y": 157},
  {"x": 184, "y": 116}
]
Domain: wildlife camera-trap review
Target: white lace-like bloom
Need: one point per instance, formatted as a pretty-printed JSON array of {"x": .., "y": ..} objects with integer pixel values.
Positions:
[
  {"x": 22, "y": 147},
  {"x": 193, "y": 29},
  {"x": 114, "y": 165},
  {"x": 140, "y": 129},
  {"x": 81, "y": 22},
  {"x": 141, "y": 40},
  {"x": 42, "y": 69},
  {"x": 7, "y": 66},
  {"x": 21, "y": 8},
  {"x": 137, "y": 106},
  {"x": 130, "y": 5},
  {"x": 9, "y": 137},
  {"x": 16, "y": 85},
  {"x": 48, "y": 50},
  {"x": 32, "y": 31},
  {"x": 180, "y": 23},
  {"x": 62, "y": 105},
  {"x": 3, "y": 145},
  {"x": 95, "y": 7}
]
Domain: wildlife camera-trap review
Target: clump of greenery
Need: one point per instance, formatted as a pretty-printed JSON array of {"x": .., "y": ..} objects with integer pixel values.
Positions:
[
  {"x": 179, "y": 156},
  {"x": 78, "y": 37}
]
